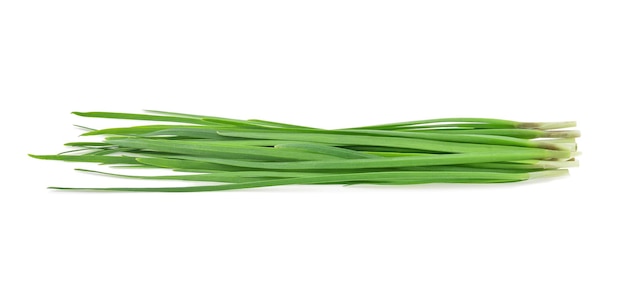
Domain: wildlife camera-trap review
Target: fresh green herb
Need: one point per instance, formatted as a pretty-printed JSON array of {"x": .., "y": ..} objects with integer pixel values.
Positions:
[{"x": 236, "y": 154}]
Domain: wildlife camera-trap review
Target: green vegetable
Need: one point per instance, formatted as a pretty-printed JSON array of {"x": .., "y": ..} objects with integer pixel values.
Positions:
[{"x": 236, "y": 154}]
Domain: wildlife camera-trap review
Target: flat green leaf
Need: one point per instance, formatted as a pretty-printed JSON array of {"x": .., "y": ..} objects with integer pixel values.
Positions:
[{"x": 89, "y": 158}]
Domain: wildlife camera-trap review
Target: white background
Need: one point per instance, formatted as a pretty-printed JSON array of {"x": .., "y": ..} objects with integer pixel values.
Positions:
[{"x": 327, "y": 64}]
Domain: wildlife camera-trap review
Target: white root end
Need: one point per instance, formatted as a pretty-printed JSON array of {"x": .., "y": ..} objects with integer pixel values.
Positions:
[
  {"x": 548, "y": 173},
  {"x": 547, "y": 125},
  {"x": 558, "y": 146},
  {"x": 556, "y": 164},
  {"x": 561, "y": 134},
  {"x": 558, "y": 140}
]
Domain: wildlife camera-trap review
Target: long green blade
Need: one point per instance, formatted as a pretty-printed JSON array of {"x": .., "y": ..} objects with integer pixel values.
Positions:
[
  {"x": 208, "y": 149},
  {"x": 127, "y": 116},
  {"x": 398, "y": 142},
  {"x": 89, "y": 158},
  {"x": 443, "y": 159},
  {"x": 428, "y": 177}
]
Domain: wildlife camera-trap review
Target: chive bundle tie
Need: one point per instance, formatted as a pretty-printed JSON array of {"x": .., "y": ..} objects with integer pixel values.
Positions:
[{"x": 233, "y": 154}]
